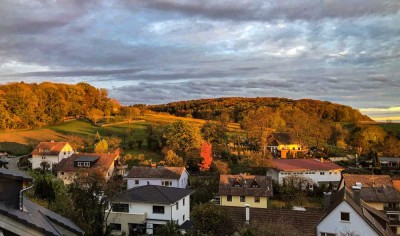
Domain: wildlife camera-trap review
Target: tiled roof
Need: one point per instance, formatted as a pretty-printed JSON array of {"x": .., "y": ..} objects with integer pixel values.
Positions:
[
  {"x": 304, "y": 164},
  {"x": 396, "y": 184},
  {"x": 49, "y": 148},
  {"x": 15, "y": 174},
  {"x": 303, "y": 222},
  {"x": 159, "y": 172},
  {"x": 368, "y": 213},
  {"x": 38, "y": 217},
  {"x": 152, "y": 194},
  {"x": 245, "y": 185},
  {"x": 104, "y": 161},
  {"x": 375, "y": 188}
]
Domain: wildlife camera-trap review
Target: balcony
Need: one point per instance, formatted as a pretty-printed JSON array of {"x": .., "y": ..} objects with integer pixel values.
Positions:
[
  {"x": 391, "y": 208},
  {"x": 125, "y": 218}
]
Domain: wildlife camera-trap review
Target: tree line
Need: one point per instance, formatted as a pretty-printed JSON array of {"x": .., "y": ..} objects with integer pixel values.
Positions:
[
  {"x": 235, "y": 109},
  {"x": 25, "y": 105}
]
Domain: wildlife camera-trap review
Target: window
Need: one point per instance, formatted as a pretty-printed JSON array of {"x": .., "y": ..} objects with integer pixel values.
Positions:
[
  {"x": 120, "y": 207},
  {"x": 136, "y": 181},
  {"x": 86, "y": 164},
  {"x": 229, "y": 198},
  {"x": 43, "y": 157},
  {"x": 344, "y": 216},
  {"x": 166, "y": 183},
  {"x": 327, "y": 234},
  {"x": 322, "y": 173},
  {"x": 65, "y": 153},
  {"x": 79, "y": 164},
  {"x": 158, "y": 209},
  {"x": 183, "y": 217},
  {"x": 115, "y": 227},
  {"x": 177, "y": 205},
  {"x": 242, "y": 199},
  {"x": 183, "y": 202},
  {"x": 256, "y": 199},
  {"x": 62, "y": 173}
]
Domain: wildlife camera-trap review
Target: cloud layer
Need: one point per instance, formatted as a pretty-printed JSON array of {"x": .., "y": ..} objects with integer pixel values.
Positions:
[{"x": 160, "y": 51}]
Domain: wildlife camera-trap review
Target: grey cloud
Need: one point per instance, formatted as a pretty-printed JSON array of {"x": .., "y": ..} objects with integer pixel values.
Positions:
[{"x": 261, "y": 10}]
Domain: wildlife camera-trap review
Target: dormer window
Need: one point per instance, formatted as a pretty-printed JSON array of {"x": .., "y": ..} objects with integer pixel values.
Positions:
[
  {"x": 254, "y": 184},
  {"x": 79, "y": 164},
  {"x": 236, "y": 183},
  {"x": 86, "y": 164}
]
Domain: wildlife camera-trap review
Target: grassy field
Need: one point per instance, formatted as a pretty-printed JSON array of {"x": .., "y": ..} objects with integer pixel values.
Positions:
[
  {"x": 391, "y": 127},
  {"x": 22, "y": 142}
]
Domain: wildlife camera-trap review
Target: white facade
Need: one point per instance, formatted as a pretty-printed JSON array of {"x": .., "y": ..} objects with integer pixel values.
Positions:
[
  {"x": 182, "y": 182},
  {"x": 333, "y": 224},
  {"x": 179, "y": 212},
  {"x": 52, "y": 160},
  {"x": 317, "y": 176}
]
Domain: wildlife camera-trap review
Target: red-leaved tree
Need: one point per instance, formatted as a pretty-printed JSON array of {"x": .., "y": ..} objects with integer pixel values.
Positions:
[{"x": 206, "y": 155}]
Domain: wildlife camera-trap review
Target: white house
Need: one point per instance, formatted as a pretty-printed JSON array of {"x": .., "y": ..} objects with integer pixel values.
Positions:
[
  {"x": 145, "y": 208},
  {"x": 346, "y": 214},
  {"x": 158, "y": 175},
  {"x": 49, "y": 154},
  {"x": 319, "y": 171}
]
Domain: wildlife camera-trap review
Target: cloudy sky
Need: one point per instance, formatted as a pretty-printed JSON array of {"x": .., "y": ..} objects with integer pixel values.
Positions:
[{"x": 158, "y": 51}]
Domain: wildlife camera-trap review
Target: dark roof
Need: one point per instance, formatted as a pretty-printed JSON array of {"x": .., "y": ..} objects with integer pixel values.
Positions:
[
  {"x": 49, "y": 148},
  {"x": 245, "y": 185},
  {"x": 279, "y": 138},
  {"x": 152, "y": 194},
  {"x": 7, "y": 173},
  {"x": 187, "y": 225},
  {"x": 87, "y": 158},
  {"x": 303, "y": 222},
  {"x": 375, "y": 188},
  {"x": 39, "y": 217},
  {"x": 304, "y": 164},
  {"x": 163, "y": 172},
  {"x": 104, "y": 162},
  {"x": 368, "y": 213}
]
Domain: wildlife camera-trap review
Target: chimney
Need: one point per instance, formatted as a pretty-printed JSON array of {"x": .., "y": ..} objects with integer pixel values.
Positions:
[
  {"x": 357, "y": 193},
  {"x": 327, "y": 200},
  {"x": 247, "y": 213}
]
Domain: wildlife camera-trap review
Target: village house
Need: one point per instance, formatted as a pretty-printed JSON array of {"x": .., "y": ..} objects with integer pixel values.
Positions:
[
  {"x": 347, "y": 214},
  {"x": 281, "y": 146},
  {"x": 317, "y": 171},
  {"x": 20, "y": 216},
  {"x": 146, "y": 208},
  {"x": 48, "y": 154},
  {"x": 158, "y": 175},
  {"x": 239, "y": 190},
  {"x": 379, "y": 192},
  {"x": 80, "y": 163}
]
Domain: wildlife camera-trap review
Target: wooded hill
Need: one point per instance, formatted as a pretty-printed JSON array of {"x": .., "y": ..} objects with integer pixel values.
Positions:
[
  {"x": 25, "y": 105},
  {"x": 235, "y": 109}
]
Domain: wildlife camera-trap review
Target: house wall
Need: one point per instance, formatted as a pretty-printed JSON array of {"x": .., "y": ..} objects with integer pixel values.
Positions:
[
  {"x": 143, "y": 181},
  {"x": 66, "y": 152},
  {"x": 331, "y": 176},
  {"x": 289, "y": 146},
  {"x": 332, "y": 223},
  {"x": 249, "y": 200},
  {"x": 377, "y": 205},
  {"x": 170, "y": 213},
  {"x": 66, "y": 177}
]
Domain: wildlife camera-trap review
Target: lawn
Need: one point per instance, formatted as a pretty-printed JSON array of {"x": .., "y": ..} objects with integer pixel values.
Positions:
[{"x": 393, "y": 127}]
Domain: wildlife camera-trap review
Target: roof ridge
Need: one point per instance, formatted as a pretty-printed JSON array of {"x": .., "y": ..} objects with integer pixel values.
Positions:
[{"x": 157, "y": 187}]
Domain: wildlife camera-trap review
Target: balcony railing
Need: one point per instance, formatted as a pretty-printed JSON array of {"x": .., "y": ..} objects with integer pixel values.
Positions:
[{"x": 391, "y": 208}]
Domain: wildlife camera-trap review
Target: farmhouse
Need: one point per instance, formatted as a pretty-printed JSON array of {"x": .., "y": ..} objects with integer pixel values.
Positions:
[
  {"x": 282, "y": 146},
  {"x": 48, "y": 154}
]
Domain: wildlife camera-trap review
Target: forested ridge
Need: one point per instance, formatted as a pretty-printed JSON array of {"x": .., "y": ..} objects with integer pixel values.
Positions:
[
  {"x": 24, "y": 105},
  {"x": 237, "y": 108}
]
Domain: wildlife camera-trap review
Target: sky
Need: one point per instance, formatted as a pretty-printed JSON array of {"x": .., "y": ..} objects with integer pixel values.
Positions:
[{"x": 159, "y": 51}]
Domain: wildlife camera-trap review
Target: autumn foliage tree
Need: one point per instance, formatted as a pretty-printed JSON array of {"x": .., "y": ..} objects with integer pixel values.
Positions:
[{"x": 206, "y": 156}]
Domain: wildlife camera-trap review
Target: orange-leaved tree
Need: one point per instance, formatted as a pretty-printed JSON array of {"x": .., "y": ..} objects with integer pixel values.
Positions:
[{"x": 206, "y": 155}]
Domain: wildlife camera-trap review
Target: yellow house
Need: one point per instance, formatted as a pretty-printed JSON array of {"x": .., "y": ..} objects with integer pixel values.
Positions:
[
  {"x": 239, "y": 190},
  {"x": 280, "y": 144}
]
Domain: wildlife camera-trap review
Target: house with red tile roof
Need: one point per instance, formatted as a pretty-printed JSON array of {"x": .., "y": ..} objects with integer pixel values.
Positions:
[
  {"x": 80, "y": 163},
  {"x": 318, "y": 171},
  {"x": 48, "y": 154}
]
